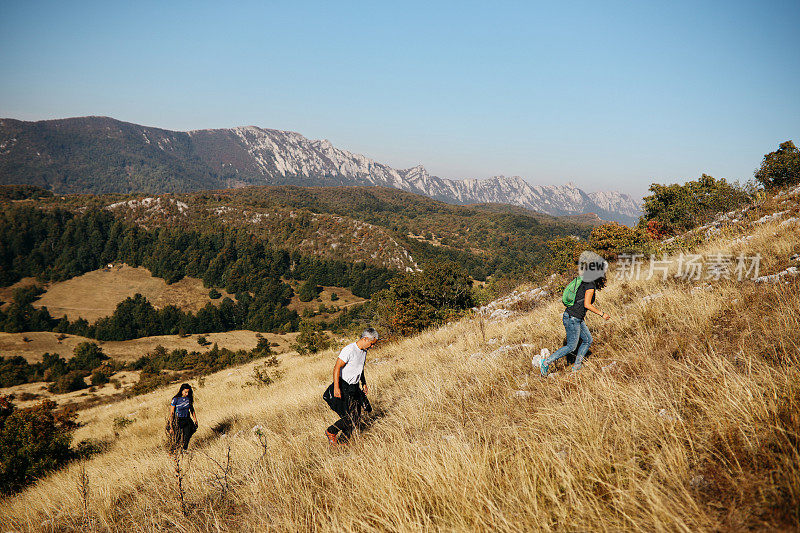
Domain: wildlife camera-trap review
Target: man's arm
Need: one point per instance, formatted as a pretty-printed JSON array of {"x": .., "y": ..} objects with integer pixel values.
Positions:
[
  {"x": 337, "y": 371},
  {"x": 364, "y": 382}
]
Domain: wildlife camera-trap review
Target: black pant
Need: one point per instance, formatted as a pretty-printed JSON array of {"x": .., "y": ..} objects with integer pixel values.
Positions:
[
  {"x": 348, "y": 407},
  {"x": 186, "y": 429}
]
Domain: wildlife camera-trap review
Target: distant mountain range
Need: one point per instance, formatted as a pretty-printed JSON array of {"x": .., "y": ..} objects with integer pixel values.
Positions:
[{"x": 103, "y": 155}]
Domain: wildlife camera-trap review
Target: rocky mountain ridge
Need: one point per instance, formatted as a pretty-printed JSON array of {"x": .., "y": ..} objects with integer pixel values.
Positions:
[{"x": 100, "y": 154}]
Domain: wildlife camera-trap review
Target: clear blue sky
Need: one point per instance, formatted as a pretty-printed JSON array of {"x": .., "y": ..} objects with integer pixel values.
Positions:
[{"x": 609, "y": 95}]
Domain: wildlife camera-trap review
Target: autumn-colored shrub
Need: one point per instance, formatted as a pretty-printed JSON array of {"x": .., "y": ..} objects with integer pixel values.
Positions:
[
  {"x": 33, "y": 441},
  {"x": 417, "y": 300},
  {"x": 612, "y": 239}
]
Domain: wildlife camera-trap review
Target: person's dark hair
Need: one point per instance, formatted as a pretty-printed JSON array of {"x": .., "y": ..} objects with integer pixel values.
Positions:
[
  {"x": 599, "y": 283},
  {"x": 180, "y": 393}
]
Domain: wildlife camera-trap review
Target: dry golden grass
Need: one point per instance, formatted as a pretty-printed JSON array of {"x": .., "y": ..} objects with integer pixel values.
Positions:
[
  {"x": 96, "y": 294},
  {"x": 39, "y": 342},
  {"x": 685, "y": 418},
  {"x": 11, "y": 344},
  {"x": 346, "y": 299}
]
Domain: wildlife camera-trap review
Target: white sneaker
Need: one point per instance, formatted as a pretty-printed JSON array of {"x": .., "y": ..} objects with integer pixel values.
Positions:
[{"x": 537, "y": 359}]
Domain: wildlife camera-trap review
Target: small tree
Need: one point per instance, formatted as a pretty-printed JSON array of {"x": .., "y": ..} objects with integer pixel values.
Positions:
[
  {"x": 69, "y": 382},
  {"x": 88, "y": 356},
  {"x": 308, "y": 290},
  {"x": 310, "y": 340},
  {"x": 263, "y": 345},
  {"x": 683, "y": 207},
  {"x": 33, "y": 442},
  {"x": 417, "y": 300},
  {"x": 781, "y": 167},
  {"x": 612, "y": 239}
]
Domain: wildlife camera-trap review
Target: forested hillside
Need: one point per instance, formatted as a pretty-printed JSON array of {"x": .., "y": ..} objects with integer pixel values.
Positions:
[{"x": 375, "y": 225}]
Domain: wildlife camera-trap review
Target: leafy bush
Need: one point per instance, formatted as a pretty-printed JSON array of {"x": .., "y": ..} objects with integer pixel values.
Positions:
[
  {"x": 310, "y": 340},
  {"x": 69, "y": 382},
  {"x": 14, "y": 371},
  {"x": 99, "y": 377},
  {"x": 214, "y": 294},
  {"x": 121, "y": 422},
  {"x": 87, "y": 356},
  {"x": 417, "y": 300},
  {"x": 151, "y": 381},
  {"x": 263, "y": 346},
  {"x": 33, "y": 441},
  {"x": 564, "y": 253},
  {"x": 683, "y": 207},
  {"x": 781, "y": 167},
  {"x": 308, "y": 290},
  {"x": 264, "y": 374},
  {"x": 612, "y": 239}
]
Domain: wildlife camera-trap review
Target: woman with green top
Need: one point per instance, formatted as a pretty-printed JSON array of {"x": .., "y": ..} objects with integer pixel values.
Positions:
[{"x": 593, "y": 279}]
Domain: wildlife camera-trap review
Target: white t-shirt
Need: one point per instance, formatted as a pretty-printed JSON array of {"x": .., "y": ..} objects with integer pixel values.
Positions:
[{"x": 355, "y": 358}]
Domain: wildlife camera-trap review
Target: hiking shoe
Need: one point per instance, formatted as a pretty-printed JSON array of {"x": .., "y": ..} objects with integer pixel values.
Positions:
[
  {"x": 544, "y": 368},
  {"x": 331, "y": 438}
]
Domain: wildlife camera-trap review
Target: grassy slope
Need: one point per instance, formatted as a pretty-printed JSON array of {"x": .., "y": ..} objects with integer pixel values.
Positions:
[{"x": 695, "y": 427}]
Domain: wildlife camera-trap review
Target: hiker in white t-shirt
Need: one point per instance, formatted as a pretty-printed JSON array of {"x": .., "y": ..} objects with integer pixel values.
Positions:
[{"x": 344, "y": 395}]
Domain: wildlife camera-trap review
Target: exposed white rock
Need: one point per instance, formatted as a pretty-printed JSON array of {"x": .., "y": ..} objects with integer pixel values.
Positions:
[
  {"x": 791, "y": 271},
  {"x": 771, "y": 217},
  {"x": 741, "y": 240},
  {"x": 650, "y": 297}
]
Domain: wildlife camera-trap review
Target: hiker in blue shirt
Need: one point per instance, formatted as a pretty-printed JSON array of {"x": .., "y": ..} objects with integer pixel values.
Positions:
[
  {"x": 183, "y": 420},
  {"x": 592, "y": 279}
]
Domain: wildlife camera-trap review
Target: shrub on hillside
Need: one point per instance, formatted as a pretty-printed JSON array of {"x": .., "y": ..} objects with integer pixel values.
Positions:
[
  {"x": 69, "y": 382},
  {"x": 87, "y": 356},
  {"x": 417, "y": 300},
  {"x": 781, "y": 167},
  {"x": 33, "y": 441},
  {"x": 151, "y": 381},
  {"x": 564, "y": 253},
  {"x": 101, "y": 375},
  {"x": 310, "y": 340},
  {"x": 14, "y": 371},
  {"x": 612, "y": 239},
  {"x": 683, "y": 207},
  {"x": 263, "y": 346},
  {"x": 308, "y": 290}
]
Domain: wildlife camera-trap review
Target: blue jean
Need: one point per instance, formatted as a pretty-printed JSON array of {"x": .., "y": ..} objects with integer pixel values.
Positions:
[{"x": 576, "y": 330}]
